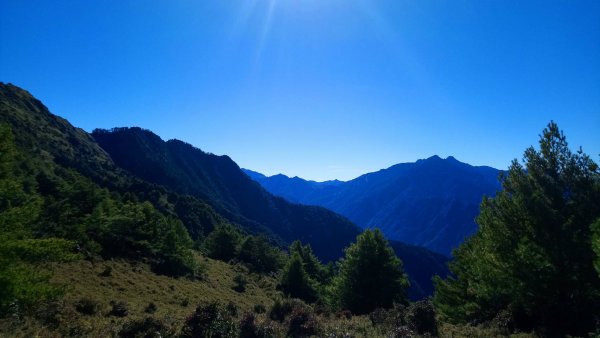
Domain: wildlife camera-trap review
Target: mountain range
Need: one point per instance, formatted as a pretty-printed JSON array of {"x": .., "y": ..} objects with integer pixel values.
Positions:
[
  {"x": 431, "y": 203},
  {"x": 200, "y": 189}
]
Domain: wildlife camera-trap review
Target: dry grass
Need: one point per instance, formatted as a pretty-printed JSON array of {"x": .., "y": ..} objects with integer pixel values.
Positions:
[
  {"x": 176, "y": 299},
  {"x": 137, "y": 285}
]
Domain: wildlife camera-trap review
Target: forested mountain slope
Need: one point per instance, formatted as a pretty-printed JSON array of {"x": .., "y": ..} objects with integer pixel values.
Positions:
[{"x": 181, "y": 182}]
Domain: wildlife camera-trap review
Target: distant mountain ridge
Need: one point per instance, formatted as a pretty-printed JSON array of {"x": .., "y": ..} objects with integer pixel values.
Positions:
[{"x": 431, "y": 203}]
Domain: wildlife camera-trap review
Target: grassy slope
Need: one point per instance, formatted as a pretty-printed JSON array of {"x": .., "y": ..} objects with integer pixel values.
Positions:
[
  {"x": 175, "y": 299},
  {"x": 134, "y": 283}
]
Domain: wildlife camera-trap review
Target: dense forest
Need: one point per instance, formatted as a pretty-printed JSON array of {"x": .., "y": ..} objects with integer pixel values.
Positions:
[{"x": 119, "y": 233}]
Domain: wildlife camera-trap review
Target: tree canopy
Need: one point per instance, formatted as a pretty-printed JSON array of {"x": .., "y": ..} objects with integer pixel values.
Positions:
[
  {"x": 532, "y": 256},
  {"x": 370, "y": 275}
]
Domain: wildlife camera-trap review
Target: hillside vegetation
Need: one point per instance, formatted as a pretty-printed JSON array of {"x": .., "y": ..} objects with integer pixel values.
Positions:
[{"x": 88, "y": 248}]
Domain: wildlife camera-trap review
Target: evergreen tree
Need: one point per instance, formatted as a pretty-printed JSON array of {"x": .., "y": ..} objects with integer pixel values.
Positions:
[
  {"x": 532, "y": 256},
  {"x": 259, "y": 255},
  {"x": 315, "y": 269},
  {"x": 370, "y": 275},
  {"x": 223, "y": 243},
  {"x": 295, "y": 282},
  {"x": 23, "y": 282}
]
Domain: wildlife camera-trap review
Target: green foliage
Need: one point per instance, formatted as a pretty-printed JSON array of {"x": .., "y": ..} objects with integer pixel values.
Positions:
[
  {"x": 314, "y": 268},
  {"x": 208, "y": 321},
  {"x": 303, "y": 323},
  {"x": 147, "y": 327},
  {"x": 370, "y": 275},
  {"x": 119, "y": 308},
  {"x": 240, "y": 283},
  {"x": 223, "y": 243},
  {"x": 295, "y": 282},
  {"x": 87, "y": 306},
  {"x": 259, "y": 255},
  {"x": 595, "y": 227},
  {"x": 23, "y": 281},
  {"x": 532, "y": 256},
  {"x": 281, "y": 309}
]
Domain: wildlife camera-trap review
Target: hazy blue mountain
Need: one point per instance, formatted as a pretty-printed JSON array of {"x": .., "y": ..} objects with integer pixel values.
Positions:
[{"x": 431, "y": 203}]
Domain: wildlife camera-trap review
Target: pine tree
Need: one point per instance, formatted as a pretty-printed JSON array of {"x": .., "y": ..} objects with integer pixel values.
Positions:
[
  {"x": 315, "y": 269},
  {"x": 295, "y": 282},
  {"x": 532, "y": 256},
  {"x": 370, "y": 275},
  {"x": 223, "y": 243}
]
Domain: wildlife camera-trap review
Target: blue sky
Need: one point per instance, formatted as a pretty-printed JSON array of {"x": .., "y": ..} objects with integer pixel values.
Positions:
[{"x": 321, "y": 89}]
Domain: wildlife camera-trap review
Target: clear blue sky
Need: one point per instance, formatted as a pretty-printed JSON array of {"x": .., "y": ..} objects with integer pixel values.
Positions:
[{"x": 321, "y": 89}]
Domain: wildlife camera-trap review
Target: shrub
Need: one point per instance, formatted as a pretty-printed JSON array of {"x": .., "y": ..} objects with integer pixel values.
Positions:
[
  {"x": 420, "y": 317},
  {"x": 232, "y": 309},
  {"x": 151, "y": 308},
  {"x": 147, "y": 327},
  {"x": 344, "y": 314},
  {"x": 185, "y": 302},
  {"x": 248, "y": 327},
  {"x": 87, "y": 306},
  {"x": 302, "y": 323},
  {"x": 208, "y": 322},
  {"x": 240, "y": 283},
  {"x": 107, "y": 272},
  {"x": 388, "y": 318},
  {"x": 53, "y": 314},
  {"x": 400, "y": 332},
  {"x": 282, "y": 308},
  {"x": 260, "y": 308},
  {"x": 119, "y": 308}
]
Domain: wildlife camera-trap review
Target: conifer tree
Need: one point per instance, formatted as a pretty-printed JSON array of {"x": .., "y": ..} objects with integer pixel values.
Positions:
[
  {"x": 223, "y": 242},
  {"x": 532, "y": 256},
  {"x": 295, "y": 282},
  {"x": 370, "y": 275}
]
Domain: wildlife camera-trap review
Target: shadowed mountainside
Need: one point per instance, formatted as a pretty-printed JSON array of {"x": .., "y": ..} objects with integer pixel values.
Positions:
[{"x": 431, "y": 203}]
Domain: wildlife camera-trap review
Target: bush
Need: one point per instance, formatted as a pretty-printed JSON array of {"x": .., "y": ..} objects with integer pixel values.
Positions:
[
  {"x": 302, "y": 323},
  {"x": 420, "y": 317},
  {"x": 87, "y": 306},
  {"x": 119, "y": 308},
  {"x": 282, "y": 308},
  {"x": 232, "y": 309},
  {"x": 208, "y": 322},
  {"x": 240, "y": 283},
  {"x": 147, "y": 327},
  {"x": 344, "y": 314},
  {"x": 268, "y": 329},
  {"x": 388, "y": 318},
  {"x": 151, "y": 308},
  {"x": 107, "y": 272},
  {"x": 248, "y": 327},
  {"x": 400, "y": 332},
  {"x": 260, "y": 308}
]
